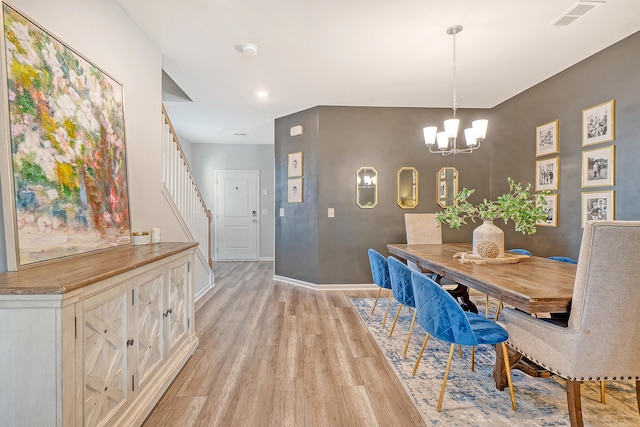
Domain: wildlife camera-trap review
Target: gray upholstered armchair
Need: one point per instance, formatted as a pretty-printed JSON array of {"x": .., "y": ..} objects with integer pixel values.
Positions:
[{"x": 601, "y": 340}]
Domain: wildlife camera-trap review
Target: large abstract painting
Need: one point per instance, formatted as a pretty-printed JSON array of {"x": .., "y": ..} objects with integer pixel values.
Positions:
[{"x": 66, "y": 121}]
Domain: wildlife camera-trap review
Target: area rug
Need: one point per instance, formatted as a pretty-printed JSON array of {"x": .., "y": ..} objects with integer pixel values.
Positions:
[{"x": 471, "y": 398}]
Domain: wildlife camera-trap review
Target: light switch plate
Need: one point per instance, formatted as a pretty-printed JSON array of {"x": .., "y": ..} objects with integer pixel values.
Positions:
[
  {"x": 281, "y": 211},
  {"x": 330, "y": 213}
]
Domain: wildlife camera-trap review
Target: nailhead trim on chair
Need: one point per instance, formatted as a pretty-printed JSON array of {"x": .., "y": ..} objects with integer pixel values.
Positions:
[{"x": 560, "y": 374}]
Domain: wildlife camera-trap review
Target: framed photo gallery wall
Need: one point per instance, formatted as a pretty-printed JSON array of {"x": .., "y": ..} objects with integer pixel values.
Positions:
[
  {"x": 295, "y": 172},
  {"x": 598, "y": 162},
  {"x": 548, "y": 168}
]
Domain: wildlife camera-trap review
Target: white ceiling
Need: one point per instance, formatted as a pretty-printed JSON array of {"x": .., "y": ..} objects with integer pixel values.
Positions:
[{"x": 359, "y": 52}]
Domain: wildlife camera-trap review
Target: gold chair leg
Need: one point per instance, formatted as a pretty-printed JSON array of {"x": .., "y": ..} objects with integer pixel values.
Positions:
[
  {"x": 505, "y": 355},
  {"x": 384, "y": 320},
  {"x": 460, "y": 350},
  {"x": 376, "y": 301},
  {"x": 406, "y": 346},
  {"x": 446, "y": 374},
  {"x": 498, "y": 309},
  {"x": 486, "y": 307},
  {"x": 395, "y": 320},
  {"x": 473, "y": 358},
  {"x": 424, "y": 344},
  {"x": 602, "y": 392}
]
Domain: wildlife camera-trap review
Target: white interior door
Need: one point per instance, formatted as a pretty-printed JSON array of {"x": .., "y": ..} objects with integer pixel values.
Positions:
[{"x": 237, "y": 227}]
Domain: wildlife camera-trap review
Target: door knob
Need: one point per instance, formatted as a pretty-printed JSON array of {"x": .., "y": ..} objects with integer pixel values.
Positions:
[{"x": 254, "y": 213}]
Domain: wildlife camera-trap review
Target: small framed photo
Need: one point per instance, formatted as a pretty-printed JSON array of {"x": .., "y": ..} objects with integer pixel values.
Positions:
[
  {"x": 547, "y": 139},
  {"x": 598, "y": 123},
  {"x": 295, "y": 165},
  {"x": 547, "y": 174},
  {"x": 598, "y": 167},
  {"x": 551, "y": 209},
  {"x": 598, "y": 206},
  {"x": 294, "y": 192}
]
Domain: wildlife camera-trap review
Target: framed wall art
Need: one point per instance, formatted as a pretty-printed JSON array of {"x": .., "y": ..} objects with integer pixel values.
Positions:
[
  {"x": 547, "y": 174},
  {"x": 551, "y": 209},
  {"x": 294, "y": 190},
  {"x": 598, "y": 167},
  {"x": 547, "y": 139},
  {"x": 598, "y": 123},
  {"x": 598, "y": 206},
  {"x": 66, "y": 148},
  {"x": 295, "y": 167}
]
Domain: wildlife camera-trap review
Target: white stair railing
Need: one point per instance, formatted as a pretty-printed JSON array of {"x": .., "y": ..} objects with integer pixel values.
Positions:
[{"x": 183, "y": 191}]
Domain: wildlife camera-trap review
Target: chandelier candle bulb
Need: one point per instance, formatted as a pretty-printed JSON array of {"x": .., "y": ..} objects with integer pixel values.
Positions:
[
  {"x": 470, "y": 137},
  {"x": 430, "y": 135},
  {"x": 443, "y": 141}
]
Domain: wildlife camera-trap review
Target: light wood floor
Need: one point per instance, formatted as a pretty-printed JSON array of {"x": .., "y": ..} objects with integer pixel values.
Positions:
[{"x": 273, "y": 354}]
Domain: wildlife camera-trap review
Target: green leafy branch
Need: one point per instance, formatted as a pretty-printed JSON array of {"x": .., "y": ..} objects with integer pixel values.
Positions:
[{"x": 518, "y": 205}]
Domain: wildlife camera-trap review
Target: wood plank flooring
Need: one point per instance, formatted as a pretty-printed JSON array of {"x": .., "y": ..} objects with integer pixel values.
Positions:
[{"x": 273, "y": 354}]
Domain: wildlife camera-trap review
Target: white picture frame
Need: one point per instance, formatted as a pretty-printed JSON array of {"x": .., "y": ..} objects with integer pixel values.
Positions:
[
  {"x": 295, "y": 166},
  {"x": 295, "y": 190},
  {"x": 598, "y": 167},
  {"x": 547, "y": 174},
  {"x": 598, "y": 206},
  {"x": 599, "y": 123},
  {"x": 547, "y": 138},
  {"x": 551, "y": 208}
]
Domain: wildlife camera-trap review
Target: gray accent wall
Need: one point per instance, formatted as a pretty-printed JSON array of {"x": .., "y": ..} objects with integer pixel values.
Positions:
[
  {"x": 206, "y": 159},
  {"x": 613, "y": 73},
  {"x": 338, "y": 140}
]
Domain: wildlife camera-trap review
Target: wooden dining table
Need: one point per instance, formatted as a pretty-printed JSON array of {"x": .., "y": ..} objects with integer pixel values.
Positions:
[{"x": 534, "y": 284}]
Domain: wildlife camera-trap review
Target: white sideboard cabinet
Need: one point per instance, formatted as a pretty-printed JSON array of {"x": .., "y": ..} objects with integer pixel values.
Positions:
[{"x": 95, "y": 340}]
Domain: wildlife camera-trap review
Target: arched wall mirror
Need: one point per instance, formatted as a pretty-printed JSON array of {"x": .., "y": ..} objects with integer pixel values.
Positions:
[
  {"x": 447, "y": 182},
  {"x": 407, "y": 188},
  {"x": 367, "y": 187}
]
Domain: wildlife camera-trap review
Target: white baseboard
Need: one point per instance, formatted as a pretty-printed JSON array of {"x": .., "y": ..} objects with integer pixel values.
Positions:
[
  {"x": 327, "y": 287},
  {"x": 203, "y": 296},
  {"x": 267, "y": 258}
]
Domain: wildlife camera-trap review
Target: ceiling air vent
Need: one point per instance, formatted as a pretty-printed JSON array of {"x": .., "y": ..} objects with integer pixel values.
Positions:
[{"x": 576, "y": 11}]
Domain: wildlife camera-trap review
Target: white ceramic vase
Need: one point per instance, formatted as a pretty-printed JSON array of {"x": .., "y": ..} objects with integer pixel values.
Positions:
[{"x": 488, "y": 240}]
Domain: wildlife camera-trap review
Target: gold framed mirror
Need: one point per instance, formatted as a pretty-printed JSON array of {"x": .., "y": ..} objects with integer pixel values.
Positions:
[
  {"x": 447, "y": 186},
  {"x": 407, "y": 188},
  {"x": 366, "y": 187}
]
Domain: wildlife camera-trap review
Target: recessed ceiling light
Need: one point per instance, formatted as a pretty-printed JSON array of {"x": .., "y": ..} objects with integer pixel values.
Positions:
[{"x": 262, "y": 93}]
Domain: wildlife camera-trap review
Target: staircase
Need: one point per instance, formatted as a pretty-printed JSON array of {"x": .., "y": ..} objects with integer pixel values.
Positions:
[{"x": 183, "y": 195}]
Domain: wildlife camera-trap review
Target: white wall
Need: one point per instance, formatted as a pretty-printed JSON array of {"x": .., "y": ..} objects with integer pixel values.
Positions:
[
  {"x": 101, "y": 31},
  {"x": 209, "y": 158}
]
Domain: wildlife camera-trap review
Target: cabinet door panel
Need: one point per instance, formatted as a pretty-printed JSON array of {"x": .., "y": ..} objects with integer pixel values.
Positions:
[
  {"x": 177, "y": 303},
  {"x": 105, "y": 379},
  {"x": 150, "y": 327}
]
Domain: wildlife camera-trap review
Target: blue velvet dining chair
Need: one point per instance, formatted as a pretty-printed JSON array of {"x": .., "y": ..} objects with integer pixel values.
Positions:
[
  {"x": 563, "y": 259},
  {"x": 442, "y": 317},
  {"x": 519, "y": 251},
  {"x": 402, "y": 289},
  {"x": 380, "y": 273}
]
